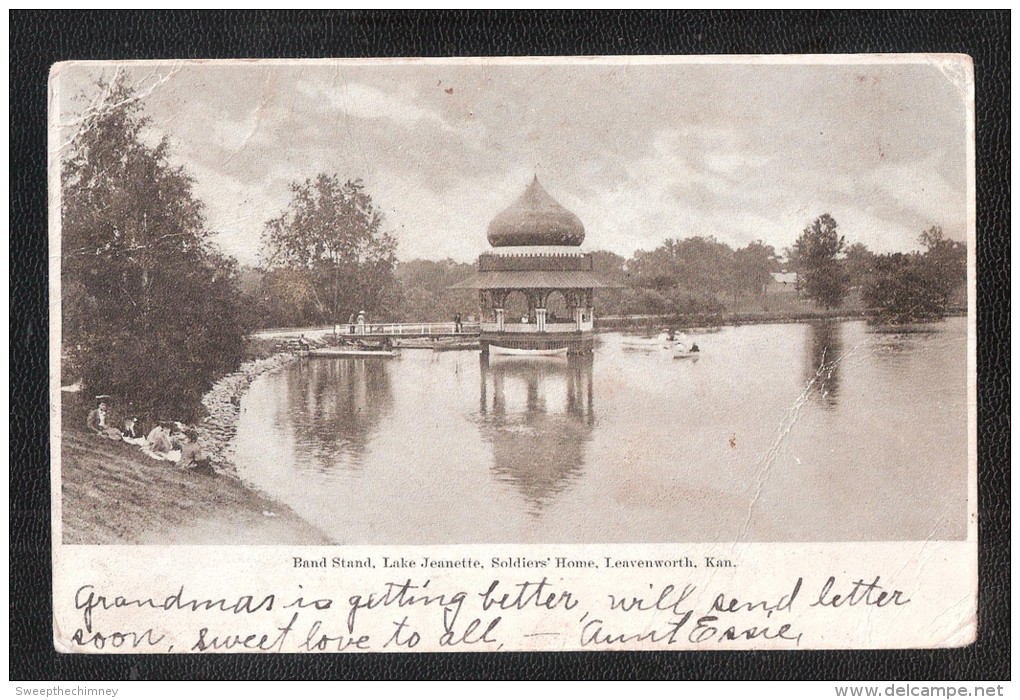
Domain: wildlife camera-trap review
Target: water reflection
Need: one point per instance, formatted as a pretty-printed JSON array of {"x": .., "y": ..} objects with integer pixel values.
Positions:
[
  {"x": 335, "y": 407},
  {"x": 821, "y": 367},
  {"x": 538, "y": 416}
]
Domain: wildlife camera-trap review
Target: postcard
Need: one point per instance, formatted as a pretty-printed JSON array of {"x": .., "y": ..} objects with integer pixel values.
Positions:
[{"x": 558, "y": 354}]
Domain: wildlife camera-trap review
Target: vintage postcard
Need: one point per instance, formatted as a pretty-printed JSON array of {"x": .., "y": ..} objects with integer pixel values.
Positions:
[{"x": 619, "y": 353}]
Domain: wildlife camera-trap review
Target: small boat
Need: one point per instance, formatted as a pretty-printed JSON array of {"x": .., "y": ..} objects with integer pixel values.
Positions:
[
  {"x": 347, "y": 352},
  {"x": 658, "y": 342},
  {"x": 519, "y": 352},
  {"x": 456, "y": 344},
  {"x": 681, "y": 351},
  {"x": 414, "y": 343}
]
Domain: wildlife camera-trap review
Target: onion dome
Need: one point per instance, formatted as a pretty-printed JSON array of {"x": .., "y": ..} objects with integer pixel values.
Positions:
[{"x": 535, "y": 219}]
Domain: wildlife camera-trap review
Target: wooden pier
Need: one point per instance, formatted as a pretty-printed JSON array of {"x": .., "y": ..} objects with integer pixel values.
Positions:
[{"x": 376, "y": 331}]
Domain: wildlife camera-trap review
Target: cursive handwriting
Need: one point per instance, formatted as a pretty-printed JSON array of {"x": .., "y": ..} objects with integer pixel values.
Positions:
[
  {"x": 87, "y": 600},
  {"x": 424, "y": 615}
]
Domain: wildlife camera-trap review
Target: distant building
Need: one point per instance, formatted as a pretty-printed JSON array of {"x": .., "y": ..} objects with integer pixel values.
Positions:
[
  {"x": 785, "y": 278},
  {"x": 535, "y": 256}
]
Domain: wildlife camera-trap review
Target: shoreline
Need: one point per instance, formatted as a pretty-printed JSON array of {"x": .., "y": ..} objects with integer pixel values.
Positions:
[
  {"x": 112, "y": 493},
  {"x": 218, "y": 430}
]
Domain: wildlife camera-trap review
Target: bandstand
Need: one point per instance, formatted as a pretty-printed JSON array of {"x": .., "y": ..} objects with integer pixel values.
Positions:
[{"x": 535, "y": 256}]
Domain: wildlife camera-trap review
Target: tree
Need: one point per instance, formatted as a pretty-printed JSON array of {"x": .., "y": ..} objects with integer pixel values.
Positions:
[
  {"x": 753, "y": 266},
  {"x": 816, "y": 258},
  {"x": 860, "y": 264},
  {"x": 425, "y": 290},
  {"x": 946, "y": 261},
  {"x": 330, "y": 239},
  {"x": 155, "y": 314},
  {"x": 904, "y": 288},
  {"x": 612, "y": 270}
]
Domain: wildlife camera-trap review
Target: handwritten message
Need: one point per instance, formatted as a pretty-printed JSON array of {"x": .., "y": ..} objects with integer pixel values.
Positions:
[{"x": 418, "y": 613}]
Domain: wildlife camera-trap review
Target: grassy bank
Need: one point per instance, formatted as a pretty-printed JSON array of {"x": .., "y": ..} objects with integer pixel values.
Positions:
[{"x": 114, "y": 494}]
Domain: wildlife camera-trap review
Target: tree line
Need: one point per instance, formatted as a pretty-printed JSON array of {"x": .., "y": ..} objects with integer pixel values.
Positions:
[{"x": 153, "y": 313}]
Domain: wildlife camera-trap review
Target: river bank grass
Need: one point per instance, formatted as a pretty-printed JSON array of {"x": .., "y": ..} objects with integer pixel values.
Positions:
[{"x": 112, "y": 493}]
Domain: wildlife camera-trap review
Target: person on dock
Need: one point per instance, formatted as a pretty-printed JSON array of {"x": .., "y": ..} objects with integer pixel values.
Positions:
[
  {"x": 303, "y": 343},
  {"x": 350, "y": 322},
  {"x": 457, "y": 326}
]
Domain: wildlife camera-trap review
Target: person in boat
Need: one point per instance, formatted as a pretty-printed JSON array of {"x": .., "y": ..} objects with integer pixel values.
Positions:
[
  {"x": 97, "y": 422},
  {"x": 694, "y": 348}
]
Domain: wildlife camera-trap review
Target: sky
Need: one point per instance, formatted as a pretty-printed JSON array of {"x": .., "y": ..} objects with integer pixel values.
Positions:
[{"x": 640, "y": 150}]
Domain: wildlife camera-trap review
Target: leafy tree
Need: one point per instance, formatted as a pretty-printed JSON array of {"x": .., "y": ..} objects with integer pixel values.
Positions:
[
  {"x": 330, "y": 239},
  {"x": 753, "y": 266},
  {"x": 904, "y": 288},
  {"x": 611, "y": 269},
  {"x": 155, "y": 314},
  {"x": 425, "y": 290},
  {"x": 860, "y": 264},
  {"x": 689, "y": 274},
  {"x": 946, "y": 260},
  {"x": 815, "y": 256}
]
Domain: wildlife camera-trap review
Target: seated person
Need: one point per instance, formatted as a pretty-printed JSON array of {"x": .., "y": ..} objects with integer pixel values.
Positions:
[
  {"x": 96, "y": 422},
  {"x": 158, "y": 440},
  {"x": 192, "y": 456}
]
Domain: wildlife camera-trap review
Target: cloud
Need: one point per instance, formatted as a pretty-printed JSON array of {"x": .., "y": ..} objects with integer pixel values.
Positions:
[
  {"x": 362, "y": 101},
  {"x": 640, "y": 153}
]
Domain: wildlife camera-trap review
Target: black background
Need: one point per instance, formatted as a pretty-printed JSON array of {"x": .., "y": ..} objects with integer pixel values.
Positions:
[{"x": 38, "y": 39}]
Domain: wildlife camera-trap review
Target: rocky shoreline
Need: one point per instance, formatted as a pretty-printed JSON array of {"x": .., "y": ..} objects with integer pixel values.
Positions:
[{"x": 216, "y": 432}]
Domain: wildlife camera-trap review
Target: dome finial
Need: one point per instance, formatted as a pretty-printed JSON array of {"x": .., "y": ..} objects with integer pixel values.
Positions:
[{"x": 536, "y": 219}]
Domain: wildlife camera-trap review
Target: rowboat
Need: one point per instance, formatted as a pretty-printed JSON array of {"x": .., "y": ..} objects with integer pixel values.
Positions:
[
  {"x": 519, "y": 352},
  {"x": 660, "y": 341},
  {"x": 414, "y": 343},
  {"x": 456, "y": 344},
  {"x": 347, "y": 352}
]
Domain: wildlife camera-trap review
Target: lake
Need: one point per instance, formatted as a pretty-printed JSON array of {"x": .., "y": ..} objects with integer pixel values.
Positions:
[{"x": 828, "y": 431}]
